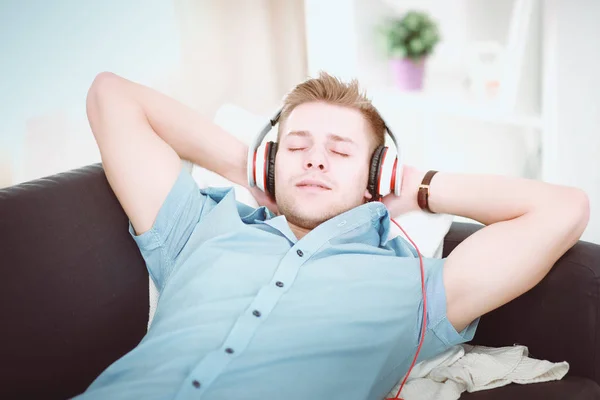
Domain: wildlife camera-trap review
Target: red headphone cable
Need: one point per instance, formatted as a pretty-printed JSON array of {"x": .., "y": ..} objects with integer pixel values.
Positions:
[{"x": 423, "y": 326}]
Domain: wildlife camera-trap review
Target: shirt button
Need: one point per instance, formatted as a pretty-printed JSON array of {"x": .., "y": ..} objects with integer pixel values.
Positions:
[
  {"x": 279, "y": 283},
  {"x": 299, "y": 252},
  {"x": 256, "y": 313},
  {"x": 196, "y": 384},
  {"x": 229, "y": 350}
]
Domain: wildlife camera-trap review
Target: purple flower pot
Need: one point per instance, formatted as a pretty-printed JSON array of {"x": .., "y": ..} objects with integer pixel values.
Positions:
[{"x": 408, "y": 74}]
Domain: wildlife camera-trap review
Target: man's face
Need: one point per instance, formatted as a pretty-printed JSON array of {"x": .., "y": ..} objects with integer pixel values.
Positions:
[{"x": 321, "y": 169}]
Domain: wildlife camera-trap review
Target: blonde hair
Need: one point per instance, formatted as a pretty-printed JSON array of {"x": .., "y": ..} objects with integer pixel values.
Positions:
[{"x": 332, "y": 90}]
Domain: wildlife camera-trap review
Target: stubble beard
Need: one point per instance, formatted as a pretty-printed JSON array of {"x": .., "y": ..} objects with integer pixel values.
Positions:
[{"x": 295, "y": 213}]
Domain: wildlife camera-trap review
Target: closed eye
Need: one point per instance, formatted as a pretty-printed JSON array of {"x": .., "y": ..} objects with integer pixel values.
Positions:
[
  {"x": 295, "y": 148},
  {"x": 340, "y": 154}
]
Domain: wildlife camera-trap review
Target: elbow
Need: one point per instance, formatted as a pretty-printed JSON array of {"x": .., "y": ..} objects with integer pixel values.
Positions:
[
  {"x": 103, "y": 83},
  {"x": 577, "y": 213},
  {"x": 105, "y": 79},
  {"x": 103, "y": 88},
  {"x": 582, "y": 203}
]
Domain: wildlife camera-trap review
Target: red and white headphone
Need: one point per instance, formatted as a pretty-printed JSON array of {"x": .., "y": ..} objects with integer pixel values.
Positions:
[{"x": 385, "y": 172}]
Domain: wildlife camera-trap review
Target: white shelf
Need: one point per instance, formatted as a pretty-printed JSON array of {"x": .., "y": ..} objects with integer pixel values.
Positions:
[{"x": 450, "y": 103}]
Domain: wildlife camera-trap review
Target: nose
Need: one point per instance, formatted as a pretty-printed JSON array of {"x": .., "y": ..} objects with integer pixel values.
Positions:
[{"x": 315, "y": 160}]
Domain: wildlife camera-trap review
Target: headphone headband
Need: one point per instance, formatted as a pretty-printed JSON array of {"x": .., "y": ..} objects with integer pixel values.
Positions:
[{"x": 400, "y": 165}]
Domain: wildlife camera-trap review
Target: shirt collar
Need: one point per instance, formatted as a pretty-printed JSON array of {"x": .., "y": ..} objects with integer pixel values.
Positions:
[
  {"x": 373, "y": 213},
  {"x": 373, "y": 216}
]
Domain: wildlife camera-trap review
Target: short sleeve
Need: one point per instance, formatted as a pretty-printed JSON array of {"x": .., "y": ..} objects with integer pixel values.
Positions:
[
  {"x": 440, "y": 333},
  {"x": 176, "y": 220}
]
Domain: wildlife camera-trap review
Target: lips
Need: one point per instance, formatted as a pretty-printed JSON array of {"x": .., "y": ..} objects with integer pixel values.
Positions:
[{"x": 314, "y": 184}]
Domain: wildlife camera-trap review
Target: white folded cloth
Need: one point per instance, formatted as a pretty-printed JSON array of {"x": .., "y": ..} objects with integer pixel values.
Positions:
[{"x": 473, "y": 368}]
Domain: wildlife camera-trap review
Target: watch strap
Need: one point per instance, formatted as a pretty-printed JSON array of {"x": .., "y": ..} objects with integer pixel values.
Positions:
[{"x": 423, "y": 194}]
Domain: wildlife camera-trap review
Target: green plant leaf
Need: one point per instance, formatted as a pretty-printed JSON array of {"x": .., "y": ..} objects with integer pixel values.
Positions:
[
  {"x": 398, "y": 52},
  {"x": 412, "y": 21},
  {"x": 413, "y": 35},
  {"x": 416, "y": 45},
  {"x": 428, "y": 35}
]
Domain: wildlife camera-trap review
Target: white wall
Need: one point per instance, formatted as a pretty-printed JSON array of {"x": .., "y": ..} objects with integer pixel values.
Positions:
[
  {"x": 574, "y": 99},
  {"x": 51, "y": 52}
]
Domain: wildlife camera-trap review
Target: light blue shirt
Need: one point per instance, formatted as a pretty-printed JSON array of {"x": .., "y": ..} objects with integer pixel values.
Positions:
[{"x": 248, "y": 311}]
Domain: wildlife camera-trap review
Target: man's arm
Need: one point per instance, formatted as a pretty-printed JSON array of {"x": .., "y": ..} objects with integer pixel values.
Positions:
[
  {"x": 143, "y": 135},
  {"x": 530, "y": 225}
]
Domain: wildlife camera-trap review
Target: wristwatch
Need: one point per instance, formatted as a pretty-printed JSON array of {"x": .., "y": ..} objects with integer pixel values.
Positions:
[{"x": 423, "y": 194}]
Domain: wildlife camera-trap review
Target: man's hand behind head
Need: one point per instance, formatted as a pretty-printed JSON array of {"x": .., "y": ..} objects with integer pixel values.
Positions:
[
  {"x": 407, "y": 201},
  {"x": 264, "y": 200}
]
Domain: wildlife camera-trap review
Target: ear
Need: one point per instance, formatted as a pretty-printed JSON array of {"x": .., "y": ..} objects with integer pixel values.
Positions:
[{"x": 368, "y": 196}]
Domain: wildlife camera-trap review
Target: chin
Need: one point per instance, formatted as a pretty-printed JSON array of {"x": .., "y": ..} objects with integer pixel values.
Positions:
[
  {"x": 306, "y": 221},
  {"x": 310, "y": 208},
  {"x": 310, "y": 214}
]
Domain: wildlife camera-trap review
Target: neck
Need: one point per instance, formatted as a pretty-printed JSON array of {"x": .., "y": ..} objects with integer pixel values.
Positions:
[{"x": 298, "y": 231}]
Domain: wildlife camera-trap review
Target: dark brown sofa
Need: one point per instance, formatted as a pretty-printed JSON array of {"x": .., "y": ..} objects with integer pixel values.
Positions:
[{"x": 75, "y": 296}]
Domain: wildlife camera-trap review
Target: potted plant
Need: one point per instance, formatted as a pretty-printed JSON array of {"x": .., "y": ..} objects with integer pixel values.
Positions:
[{"x": 408, "y": 41}]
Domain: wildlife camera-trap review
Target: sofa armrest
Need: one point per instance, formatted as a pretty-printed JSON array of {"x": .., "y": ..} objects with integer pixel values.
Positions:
[{"x": 559, "y": 319}]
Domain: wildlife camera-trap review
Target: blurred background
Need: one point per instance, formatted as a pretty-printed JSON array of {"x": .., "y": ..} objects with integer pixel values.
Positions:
[{"x": 507, "y": 86}]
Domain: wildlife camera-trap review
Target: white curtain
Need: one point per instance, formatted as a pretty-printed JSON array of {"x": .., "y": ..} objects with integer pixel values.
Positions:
[{"x": 246, "y": 52}]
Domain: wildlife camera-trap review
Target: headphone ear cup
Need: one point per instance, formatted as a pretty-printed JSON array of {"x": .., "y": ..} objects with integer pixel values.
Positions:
[
  {"x": 270, "y": 168},
  {"x": 387, "y": 173},
  {"x": 374, "y": 171}
]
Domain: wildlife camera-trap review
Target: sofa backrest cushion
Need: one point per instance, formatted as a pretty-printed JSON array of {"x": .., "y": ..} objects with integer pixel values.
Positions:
[{"x": 75, "y": 288}]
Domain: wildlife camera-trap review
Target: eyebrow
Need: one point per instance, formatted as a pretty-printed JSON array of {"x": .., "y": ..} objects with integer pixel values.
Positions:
[{"x": 331, "y": 136}]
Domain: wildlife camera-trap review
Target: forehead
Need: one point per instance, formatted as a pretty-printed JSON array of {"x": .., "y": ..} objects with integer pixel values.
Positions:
[{"x": 322, "y": 119}]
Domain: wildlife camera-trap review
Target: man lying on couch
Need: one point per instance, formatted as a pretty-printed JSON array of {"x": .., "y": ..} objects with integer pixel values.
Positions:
[{"x": 305, "y": 298}]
